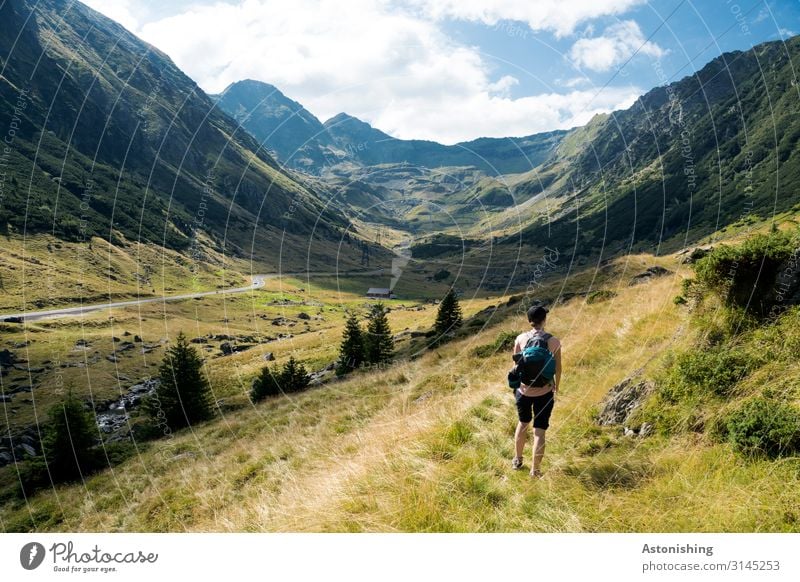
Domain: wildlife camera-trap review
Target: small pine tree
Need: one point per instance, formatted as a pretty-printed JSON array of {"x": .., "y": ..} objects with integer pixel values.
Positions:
[
  {"x": 351, "y": 351},
  {"x": 271, "y": 382},
  {"x": 378, "y": 344},
  {"x": 69, "y": 440},
  {"x": 448, "y": 318},
  {"x": 184, "y": 396},
  {"x": 294, "y": 376},
  {"x": 266, "y": 384}
]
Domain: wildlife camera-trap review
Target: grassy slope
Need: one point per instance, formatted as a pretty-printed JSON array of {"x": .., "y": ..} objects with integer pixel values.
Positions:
[{"x": 425, "y": 446}]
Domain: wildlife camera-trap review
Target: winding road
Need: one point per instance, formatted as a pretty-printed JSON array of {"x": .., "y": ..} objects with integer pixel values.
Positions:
[{"x": 258, "y": 281}]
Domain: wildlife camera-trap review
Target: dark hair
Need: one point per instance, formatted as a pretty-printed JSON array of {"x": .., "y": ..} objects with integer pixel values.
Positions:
[{"x": 537, "y": 314}]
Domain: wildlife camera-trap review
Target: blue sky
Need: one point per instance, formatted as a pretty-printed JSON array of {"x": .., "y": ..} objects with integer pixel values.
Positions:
[{"x": 453, "y": 70}]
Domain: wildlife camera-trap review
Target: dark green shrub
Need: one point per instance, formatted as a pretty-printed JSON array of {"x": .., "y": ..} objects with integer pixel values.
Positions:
[
  {"x": 706, "y": 371},
  {"x": 763, "y": 427},
  {"x": 744, "y": 275},
  {"x": 503, "y": 342}
]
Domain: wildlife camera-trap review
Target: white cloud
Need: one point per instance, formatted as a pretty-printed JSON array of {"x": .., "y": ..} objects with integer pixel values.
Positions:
[
  {"x": 118, "y": 10},
  {"x": 618, "y": 42},
  {"x": 559, "y": 16},
  {"x": 382, "y": 63}
]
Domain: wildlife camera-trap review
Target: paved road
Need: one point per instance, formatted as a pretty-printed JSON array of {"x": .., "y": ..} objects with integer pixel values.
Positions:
[{"x": 258, "y": 281}]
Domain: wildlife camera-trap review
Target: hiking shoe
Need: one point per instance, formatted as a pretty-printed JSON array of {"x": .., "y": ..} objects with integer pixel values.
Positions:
[
  {"x": 536, "y": 474},
  {"x": 516, "y": 464}
]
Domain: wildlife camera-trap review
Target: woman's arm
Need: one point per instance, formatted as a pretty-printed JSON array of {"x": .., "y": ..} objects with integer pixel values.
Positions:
[{"x": 555, "y": 349}]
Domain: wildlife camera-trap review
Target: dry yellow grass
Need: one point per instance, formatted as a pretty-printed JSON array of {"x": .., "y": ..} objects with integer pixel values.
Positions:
[{"x": 425, "y": 446}]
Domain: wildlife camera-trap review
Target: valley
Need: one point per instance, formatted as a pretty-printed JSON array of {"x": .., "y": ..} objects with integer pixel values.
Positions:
[{"x": 134, "y": 207}]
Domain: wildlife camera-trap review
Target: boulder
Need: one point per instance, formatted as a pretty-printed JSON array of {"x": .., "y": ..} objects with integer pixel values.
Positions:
[
  {"x": 269, "y": 357},
  {"x": 226, "y": 348},
  {"x": 137, "y": 339},
  {"x": 622, "y": 400},
  {"x": 650, "y": 273},
  {"x": 303, "y": 315}
]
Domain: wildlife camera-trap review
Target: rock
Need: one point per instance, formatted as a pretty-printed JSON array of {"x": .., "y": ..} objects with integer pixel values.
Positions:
[
  {"x": 694, "y": 255},
  {"x": 112, "y": 358},
  {"x": 628, "y": 431},
  {"x": 13, "y": 320},
  {"x": 226, "y": 348},
  {"x": 137, "y": 339},
  {"x": 5, "y": 397},
  {"x": 622, "y": 399},
  {"x": 223, "y": 337},
  {"x": 29, "y": 440},
  {"x": 115, "y": 338},
  {"x": 646, "y": 429},
  {"x": 26, "y": 450},
  {"x": 303, "y": 315},
  {"x": 81, "y": 343},
  {"x": 7, "y": 358},
  {"x": 650, "y": 273},
  {"x": 199, "y": 340},
  {"x": 269, "y": 357},
  {"x": 127, "y": 333}
]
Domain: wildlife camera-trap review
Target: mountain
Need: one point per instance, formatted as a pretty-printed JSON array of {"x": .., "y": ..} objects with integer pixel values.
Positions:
[
  {"x": 300, "y": 141},
  {"x": 716, "y": 148},
  {"x": 282, "y": 125},
  {"x": 111, "y": 139}
]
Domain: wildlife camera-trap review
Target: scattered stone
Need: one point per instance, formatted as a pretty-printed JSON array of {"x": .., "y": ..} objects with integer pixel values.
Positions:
[
  {"x": 199, "y": 340},
  {"x": 7, "y": 358},
  {"x": 269, "y": 357},
  {"x": 224, "y": 337},
  {"x": 112, "y": 358},
  {"x": 226, "y": 348},
  {"x": 646, "y": 429},
  {"x": 423, "y": 397},
  {"x": 650, "y": 273},
  {"x": 5, "y": 397},
  {"x": 691, "y": 256},
  {"x": 137, "y": 339},
  {"x": 623, "y": 399},
  {"x": 6, "y": 459},
  {"x": 303, "y": 315},
  {"x": 127, "y": 333},
  {"x": 26, "y": 449},
  {"x": 115, "y": 339}
]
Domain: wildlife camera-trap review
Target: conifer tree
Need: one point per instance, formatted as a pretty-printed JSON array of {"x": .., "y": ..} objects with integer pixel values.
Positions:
[
  {"x": 448, "y": 318},
  {"x": 351, "y": 351},
  {"x": 69, "y": 440},
  {"x": 183, "y": 396},
  {"x": 293, "y": 377},
  {"x": 378, "y": 344}
]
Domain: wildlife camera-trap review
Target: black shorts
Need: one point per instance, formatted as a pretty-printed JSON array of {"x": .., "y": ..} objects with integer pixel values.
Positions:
[{"x": 542, "y": 407}]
